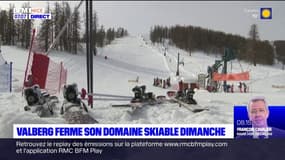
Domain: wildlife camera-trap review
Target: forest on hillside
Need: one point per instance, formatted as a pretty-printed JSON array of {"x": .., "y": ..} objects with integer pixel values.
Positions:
[
  {"x": 191, "y": 38},
  {"x": 19, "y": 31}
]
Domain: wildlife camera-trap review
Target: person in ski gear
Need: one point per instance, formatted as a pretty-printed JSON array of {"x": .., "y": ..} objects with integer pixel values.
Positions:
[
  {"x": 244, "y": 88},
  {"x": 156, "y": 81},
  {"x": 90, "y": 100},
  {"x": 163, "y": 84},
  {"x": 180, "y": 85},
  {"x": 228, "y": 88},
  {"x": 168, "y": 82},
  {"x": 180, "y": 92},
  {"x": 83, "y": 93},
  {"x": 232, "y": 88},
  {"x": 240, "y": 87},
  {"x": 95, "y": 51}
]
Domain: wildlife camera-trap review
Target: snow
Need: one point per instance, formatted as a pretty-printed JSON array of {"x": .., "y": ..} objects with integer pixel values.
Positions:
[{"x": 132, "y": 57}]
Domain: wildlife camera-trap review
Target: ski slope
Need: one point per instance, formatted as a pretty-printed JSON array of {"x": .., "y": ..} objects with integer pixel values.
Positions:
[{"x": 132, "y": 57}]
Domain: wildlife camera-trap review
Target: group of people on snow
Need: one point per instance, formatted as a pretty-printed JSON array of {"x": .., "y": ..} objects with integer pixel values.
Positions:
[
  {"x": 243, "y": 88},
  {"x": 159, "y": 82}
]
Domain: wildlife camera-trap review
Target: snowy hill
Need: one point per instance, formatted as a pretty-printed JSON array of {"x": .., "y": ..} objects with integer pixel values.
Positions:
[{"x": 132, "y": 57}]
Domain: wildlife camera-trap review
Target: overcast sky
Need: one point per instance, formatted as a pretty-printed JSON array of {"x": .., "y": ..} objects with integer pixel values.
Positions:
[{"x": 230, "y": 17}]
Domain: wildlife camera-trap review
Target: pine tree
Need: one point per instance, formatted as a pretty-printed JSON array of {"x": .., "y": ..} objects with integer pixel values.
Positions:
[
  {"x": 45, "y": 34},
  {"x": 56, "y": 22},
  {"x": 109, "y": 35},
  {"x": 25, "y": 30},
  {"x": 75, "y": 31},
  {"x": 66, "y": 35},
  {"x": 28, "y": 30},
  {"x": 121, "y": 32},
  {"x": 11, "y": 26},
  {"x": 94, "y": 31},
  {"x": 18, "y": 26},
  {"x": 3, "y": 25},
  {"x": 100, "y": 37},
  {"x": 253, "y": 35},
  {"x": 280, "y": 52}
]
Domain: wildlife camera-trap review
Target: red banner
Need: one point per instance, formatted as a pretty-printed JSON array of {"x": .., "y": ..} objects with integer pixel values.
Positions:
[
  {"x": 46, "y": 73},
  {"x": 40, "y": 69},
  {"x": 244, "y": 76},
  {"x": 43, "y": 71}
]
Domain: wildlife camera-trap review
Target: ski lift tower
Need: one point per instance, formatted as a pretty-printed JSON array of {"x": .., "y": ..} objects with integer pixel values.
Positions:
[
  {"x": 89, "y": 50},
  {"x": 177, "y": 72},
  {"x": 0, "y": 42},
  {"x": 178, "y": 63},
  {"x": 228, "y": 56}
]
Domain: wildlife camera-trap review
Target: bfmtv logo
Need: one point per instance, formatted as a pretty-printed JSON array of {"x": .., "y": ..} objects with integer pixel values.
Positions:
[
  {"x": 28, "y": 10},
  {"x": 265, "y": 13},
  {"x": 30, "y": 13}
]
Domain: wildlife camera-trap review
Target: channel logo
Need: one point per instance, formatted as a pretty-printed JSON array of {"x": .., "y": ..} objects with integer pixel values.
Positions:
[
  {"x": 30, "y": 13},
  {"x": 265, "y": 13}
]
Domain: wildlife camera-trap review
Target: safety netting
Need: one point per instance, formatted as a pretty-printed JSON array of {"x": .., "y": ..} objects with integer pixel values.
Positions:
[
  {"x": 41, "y": 70},
  {"x": 5, "y": 75}
]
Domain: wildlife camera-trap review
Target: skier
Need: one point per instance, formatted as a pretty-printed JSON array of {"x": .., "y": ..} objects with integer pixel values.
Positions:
[
  {"x": 95, "y": 51},
  {"x": 244, "y": 87},
  {"x": 180, "y": 86},
  {"x": 163, "y": 84},
  {"x": 90, "y": 100},
  {"x": 106, "y": 57},
  {"x": 83, "y": 93},
  {"x": 228, "y": 88},
  {"x": 240, "y": 87},
  {"x": 156, "y": 82},
  {"x": 168, "y": 82}
]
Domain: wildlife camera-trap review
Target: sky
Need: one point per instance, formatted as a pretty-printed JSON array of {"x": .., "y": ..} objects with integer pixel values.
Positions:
[{"x": 230, "y": 17}]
